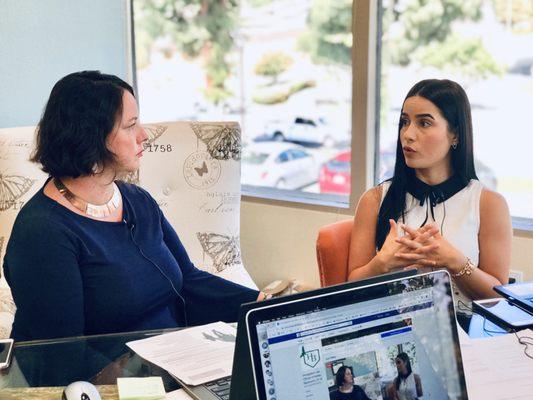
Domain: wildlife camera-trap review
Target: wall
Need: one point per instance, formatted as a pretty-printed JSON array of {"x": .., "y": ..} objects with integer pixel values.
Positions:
[
  {"x": 278, "y": 241},
  {"x": 41, "y": 41}
]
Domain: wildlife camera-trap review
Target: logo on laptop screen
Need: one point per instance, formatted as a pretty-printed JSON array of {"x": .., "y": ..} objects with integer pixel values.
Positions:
[{"x": 310, "y": 357}]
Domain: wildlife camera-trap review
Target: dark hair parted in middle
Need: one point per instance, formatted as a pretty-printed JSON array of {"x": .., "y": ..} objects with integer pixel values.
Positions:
[
  {"x": 452, "y": 102},
  {"x": 405, "y": 358},
  {"x": 81, "y": 112}
]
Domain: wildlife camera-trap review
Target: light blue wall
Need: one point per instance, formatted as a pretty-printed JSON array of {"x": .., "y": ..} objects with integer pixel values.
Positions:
[{"x": 43, "y": 40}]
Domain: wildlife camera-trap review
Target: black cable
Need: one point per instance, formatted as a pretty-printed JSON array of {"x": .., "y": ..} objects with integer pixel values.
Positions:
[
  {"x": 162, "y": 273},
  {"x": 522, "y": 340},
  {"x": 443, "y": 218},
  {"x": 462, "y": 306},
  {"x": 427, "y": 214},
  {"x": 486, "y": 330},
  {"x": 525, "y": 341}
]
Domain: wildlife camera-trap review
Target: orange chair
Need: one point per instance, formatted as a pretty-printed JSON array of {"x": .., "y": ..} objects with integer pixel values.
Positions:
[{"x": 332, "y": 250}]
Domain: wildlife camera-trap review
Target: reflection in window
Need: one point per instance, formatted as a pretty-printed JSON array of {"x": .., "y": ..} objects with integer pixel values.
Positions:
[
  {"x": 486, "y": 46},
  {"x": 281, "y": 68},
  {"x": 254, "y": 158},
  {"x": 283, "y": 157}
]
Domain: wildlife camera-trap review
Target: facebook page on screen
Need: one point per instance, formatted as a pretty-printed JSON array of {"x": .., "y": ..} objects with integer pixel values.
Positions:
[{"x": 306, "y": 356}]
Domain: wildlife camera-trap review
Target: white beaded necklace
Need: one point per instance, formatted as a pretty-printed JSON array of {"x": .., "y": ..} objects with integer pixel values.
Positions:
[{"x": 93, "y": 210}]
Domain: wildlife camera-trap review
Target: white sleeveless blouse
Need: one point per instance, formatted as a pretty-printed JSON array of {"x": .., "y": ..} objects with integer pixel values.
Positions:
[
  {"x": 407, "y": 390},
  {"x": 458, "y": 220}
]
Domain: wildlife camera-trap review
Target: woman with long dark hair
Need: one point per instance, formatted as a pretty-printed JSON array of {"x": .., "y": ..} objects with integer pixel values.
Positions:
[
  {"x": 434, "y": 213},
  {"x": 407, "y": 385}
]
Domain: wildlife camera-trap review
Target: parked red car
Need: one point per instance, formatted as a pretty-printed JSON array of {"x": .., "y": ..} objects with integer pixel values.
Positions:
[{"x": 334, "y": 176}]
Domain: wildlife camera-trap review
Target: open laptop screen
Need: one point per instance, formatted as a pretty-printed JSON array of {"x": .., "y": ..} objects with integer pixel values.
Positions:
[{"x": 298, "y": 347}]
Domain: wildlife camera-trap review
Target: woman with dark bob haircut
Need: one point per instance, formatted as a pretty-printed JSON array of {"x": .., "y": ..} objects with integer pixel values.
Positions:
[
  {"x": 90, "y": 254},
  {"x": 434, "y": 213},
  {"x": 346, "y": 389}
]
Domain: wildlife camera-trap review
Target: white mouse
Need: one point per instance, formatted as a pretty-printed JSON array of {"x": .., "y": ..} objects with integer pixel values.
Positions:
[{"x": 81, "y": 390}]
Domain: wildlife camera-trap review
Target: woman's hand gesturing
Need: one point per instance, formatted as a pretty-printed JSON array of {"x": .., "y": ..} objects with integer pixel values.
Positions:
[
  {"x": 426, "y": 247},
  {"x": 407, "y": 251}
]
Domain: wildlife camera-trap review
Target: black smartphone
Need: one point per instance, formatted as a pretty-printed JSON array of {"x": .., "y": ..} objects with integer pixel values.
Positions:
[
  {"x": 503, "y": 313},
  {"x": 6, "y": 348}
]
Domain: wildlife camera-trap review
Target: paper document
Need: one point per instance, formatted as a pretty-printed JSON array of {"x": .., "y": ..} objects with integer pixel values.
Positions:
[
  {"x": 195, "y": 355},
  {"x": 496, "y": 368}
]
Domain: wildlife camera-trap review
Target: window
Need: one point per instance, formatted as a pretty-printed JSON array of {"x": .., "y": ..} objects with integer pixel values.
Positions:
[
  {"x": 283, "y": 157},
  {"x": 281, "y": 68},
  {"x": 296, "y": 154},
  {"x": 486, "y": 46}
]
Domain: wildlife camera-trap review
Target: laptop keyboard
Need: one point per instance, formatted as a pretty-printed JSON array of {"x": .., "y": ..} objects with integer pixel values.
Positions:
[{"x": 220, "y": 388}]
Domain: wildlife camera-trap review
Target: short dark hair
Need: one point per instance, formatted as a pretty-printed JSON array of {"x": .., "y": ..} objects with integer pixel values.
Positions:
[
  {"x": 451, "y": 100},
  {"x": 81, "y": 112},
  {"x": 339, "y": 376}
]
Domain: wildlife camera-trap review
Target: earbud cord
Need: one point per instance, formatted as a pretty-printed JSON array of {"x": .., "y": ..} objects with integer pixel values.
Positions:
[
  {"x": 162, "y": 273},
  {"x": 523, "y": 340}
]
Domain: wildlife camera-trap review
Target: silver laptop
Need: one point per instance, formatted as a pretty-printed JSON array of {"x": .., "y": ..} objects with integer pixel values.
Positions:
[
  {"x": 299, "y": 346},
  {"x": 242, "y": 386}
]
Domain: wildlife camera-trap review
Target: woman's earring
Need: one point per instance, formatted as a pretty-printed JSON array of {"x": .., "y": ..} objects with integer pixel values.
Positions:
[
  {"x": 454, "y": 145},
  {"x": 94, "y": 169}
]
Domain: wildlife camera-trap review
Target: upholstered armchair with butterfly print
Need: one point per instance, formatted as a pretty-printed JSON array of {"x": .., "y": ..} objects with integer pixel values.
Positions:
[
  {"x": 192, "y": 169},
  {"x": 19, "y": 180}
]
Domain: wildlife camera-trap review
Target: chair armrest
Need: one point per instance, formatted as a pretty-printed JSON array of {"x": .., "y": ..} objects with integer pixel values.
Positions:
[{"x": 332, "y": 250}]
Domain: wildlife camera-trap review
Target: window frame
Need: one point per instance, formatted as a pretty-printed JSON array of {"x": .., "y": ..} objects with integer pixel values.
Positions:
[
  {"x": 366, "y": 82},
  {"x": 363, "y": 122}
]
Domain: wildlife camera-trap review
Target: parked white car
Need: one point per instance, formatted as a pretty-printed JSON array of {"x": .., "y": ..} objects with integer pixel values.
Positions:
[
  {"x": 279, "y": 165},
  {"x": 305, "y": 130}
]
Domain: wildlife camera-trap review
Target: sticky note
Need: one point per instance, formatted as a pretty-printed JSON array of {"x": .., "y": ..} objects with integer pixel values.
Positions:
[{"x": 150, "y": 388}]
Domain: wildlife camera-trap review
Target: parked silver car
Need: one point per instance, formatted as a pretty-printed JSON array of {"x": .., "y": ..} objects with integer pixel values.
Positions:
[{"x": 315, "y": 131}]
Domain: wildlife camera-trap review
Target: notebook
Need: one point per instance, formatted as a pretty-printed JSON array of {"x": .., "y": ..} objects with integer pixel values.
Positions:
[
  {"x": 299, "y": 346},
  {"x": 520, "y": 294},
  {"x": 241, "y": 386}
]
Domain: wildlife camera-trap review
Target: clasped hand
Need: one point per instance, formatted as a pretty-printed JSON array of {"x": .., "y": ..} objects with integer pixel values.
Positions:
[{"x": 418, "y": 248}]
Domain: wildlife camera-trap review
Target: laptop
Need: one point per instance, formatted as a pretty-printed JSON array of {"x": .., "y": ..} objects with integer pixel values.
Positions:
[
  {"x": 241, "y": 386},
  {"x": 300, "y": 345},
  {"x": 519, "y": 294}
]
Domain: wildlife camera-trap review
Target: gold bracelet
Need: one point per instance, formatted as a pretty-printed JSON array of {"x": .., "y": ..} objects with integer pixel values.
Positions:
[{"x": 466, "y": 270}]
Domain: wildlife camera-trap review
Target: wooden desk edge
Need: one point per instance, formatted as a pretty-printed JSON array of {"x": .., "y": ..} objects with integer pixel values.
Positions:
[{"x": 107, "y": 392}]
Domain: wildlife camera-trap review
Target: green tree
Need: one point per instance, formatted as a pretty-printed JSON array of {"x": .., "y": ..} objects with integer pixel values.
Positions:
[
  {"x": 467, "y": 56},
  {"x": 259, "y": 3},
  {"x": 273, "y": 64},
  {"x": 515, "y": 14},
  {"x": 197, "y": 28},
  {"x": 414, "y": 31},
  {"x": 413, "y": 25},
  {"x": 329, "y": 39}
]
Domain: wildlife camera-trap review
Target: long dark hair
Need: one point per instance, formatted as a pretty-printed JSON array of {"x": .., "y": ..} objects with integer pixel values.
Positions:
[
  {"x": 339, "y": 376},
  {"x": 452, "y": 101},
  {"x": 405, "y": 358}
]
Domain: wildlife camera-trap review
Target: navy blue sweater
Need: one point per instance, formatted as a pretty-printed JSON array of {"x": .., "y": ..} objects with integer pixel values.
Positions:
[{"x": 71, "y": 275}]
